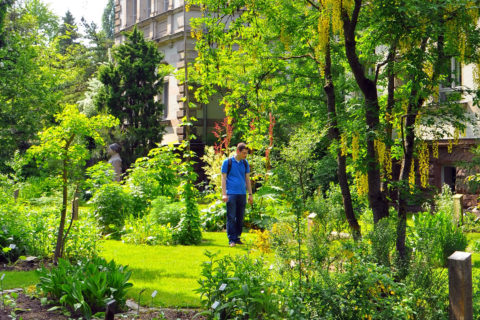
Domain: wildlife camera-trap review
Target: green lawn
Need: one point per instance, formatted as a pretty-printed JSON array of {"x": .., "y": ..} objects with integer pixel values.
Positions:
[
  {"x": 171, "y": 270},
  {"x": 18, "y": 279}
]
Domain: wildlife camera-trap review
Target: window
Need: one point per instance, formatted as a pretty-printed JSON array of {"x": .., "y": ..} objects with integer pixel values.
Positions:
[
  {"x": 165, "y": 5},
  {"x": 165, "y": 99},
  {"x": 450, "y": 81}
]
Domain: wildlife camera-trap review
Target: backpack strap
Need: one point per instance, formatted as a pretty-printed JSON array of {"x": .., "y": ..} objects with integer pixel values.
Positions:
[{"x": 229, "y": 166}]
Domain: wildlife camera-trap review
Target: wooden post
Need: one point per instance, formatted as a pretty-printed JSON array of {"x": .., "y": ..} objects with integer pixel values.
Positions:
[
  {"x": 460, "y": 286},
  {"x": 110, "y": 312},
  {"x": 458, "y": 208}
]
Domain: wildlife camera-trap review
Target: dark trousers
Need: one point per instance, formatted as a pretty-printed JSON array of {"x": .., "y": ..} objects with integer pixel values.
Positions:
[{"x": 235, "y": 213}]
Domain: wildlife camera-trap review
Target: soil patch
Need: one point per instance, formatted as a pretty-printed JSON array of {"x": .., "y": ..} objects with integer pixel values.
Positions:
[
  {"x": 31, "y": 309},
  {"x": 31, "y": 263}
]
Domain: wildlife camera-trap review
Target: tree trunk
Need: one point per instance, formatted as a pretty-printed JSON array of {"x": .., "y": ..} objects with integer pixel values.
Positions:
[
  {"x": 376, "y": 197},
  {"x": 335, "y": 135},
  {"x": 63, "y": 214},
  {"x": 402, "y": 192},
  {"x": 389, "y": 111}
]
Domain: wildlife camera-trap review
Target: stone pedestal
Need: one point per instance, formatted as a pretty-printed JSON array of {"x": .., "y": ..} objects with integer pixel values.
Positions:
[
  {"x": 460, "y": 285},
  {"x": 458, "y": 208}
]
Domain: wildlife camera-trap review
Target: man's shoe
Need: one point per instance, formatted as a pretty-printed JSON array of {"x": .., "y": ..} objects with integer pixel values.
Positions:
[
  {"x": 239, "y": 241},
  {"x": 232, "y": 244}
]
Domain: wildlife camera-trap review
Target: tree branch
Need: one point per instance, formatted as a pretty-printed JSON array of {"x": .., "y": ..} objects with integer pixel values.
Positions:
[{"x": 313, "y": 4}]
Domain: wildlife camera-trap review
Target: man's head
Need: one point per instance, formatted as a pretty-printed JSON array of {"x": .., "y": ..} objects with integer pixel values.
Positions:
[{"x": 242, "y": 151}]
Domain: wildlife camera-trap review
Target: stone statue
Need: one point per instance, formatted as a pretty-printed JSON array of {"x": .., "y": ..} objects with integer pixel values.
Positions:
[{"x": 115, "y": 160}]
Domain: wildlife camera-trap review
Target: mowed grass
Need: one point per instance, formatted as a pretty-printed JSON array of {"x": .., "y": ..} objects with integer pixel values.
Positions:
[
  {"x": 18, "y": 279},
  {"x": 173, "y": 271}
]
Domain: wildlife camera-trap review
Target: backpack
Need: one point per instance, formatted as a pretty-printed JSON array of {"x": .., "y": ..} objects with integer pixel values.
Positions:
[{"x": 229, "y": 167}]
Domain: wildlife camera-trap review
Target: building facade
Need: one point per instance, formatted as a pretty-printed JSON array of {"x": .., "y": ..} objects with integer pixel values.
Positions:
[{"x": 167, "y": 23}]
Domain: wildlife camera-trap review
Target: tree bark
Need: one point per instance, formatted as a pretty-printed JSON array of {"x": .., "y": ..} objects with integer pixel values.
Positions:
[
  {"x": 334, "y": 133},
  {"x": 63, "y": 213},
  {"x": 376, "y": 196},
  {"x": 402, "y": 192}
]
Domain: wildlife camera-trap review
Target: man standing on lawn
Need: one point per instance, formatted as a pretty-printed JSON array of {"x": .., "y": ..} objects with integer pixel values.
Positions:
[{"x": 235, "y": 183}]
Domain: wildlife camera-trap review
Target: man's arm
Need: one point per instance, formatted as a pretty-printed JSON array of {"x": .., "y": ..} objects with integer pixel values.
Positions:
[
  {"x": 224, "y": 187},
  {"x": 249, "y": 188}
]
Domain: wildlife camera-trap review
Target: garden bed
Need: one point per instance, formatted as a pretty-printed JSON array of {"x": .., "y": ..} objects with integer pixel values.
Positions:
[{"x": 31, "y": 309}]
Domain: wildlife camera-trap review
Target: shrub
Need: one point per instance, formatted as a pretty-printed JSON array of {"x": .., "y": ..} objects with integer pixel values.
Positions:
[
  {"x": 87, "y": 286},
  {"x": 155, "y": 175},
  {"x": 237, "y": 288},
  {"x": 383, "y": 238},
  {"x": 329, "y": 209},
  {"x": 165, "y": 211},
  {"x": 13, "y": 234},
  {"x": 99, "y": 174},
  {"x": 437, "y": 236},
  {"x": 365, "y": 290},
  {"x": 146, "y": 230},
  {"x": 111, "y": 205},
  {"x": 82, "y": 240},
  {"x": 214, "y": 217}
]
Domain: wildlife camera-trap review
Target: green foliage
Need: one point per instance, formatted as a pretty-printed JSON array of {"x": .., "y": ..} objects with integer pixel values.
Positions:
[
  {"x": 329, "y": 209},
  {"x": 146, "y": 230},
  {"x": 87, "y": 286},
  {"x": 157, "y": 174},
  {"x": 383, "y": 240},
  {"x": 112, "y": 204},
  {"x": 68, "y": 33},
  {"x": 132, "y": 82},
  {"x": 12, "y": 235},
  {"x": 363, "y": 290},
  {"x": 237, "y": 288},
  {"x": 108, "y": 19},
  {"x": 3, "y": 12},
  {"x": 165, "y": 211},
  {"x": 98, "y": 175},
  {"x": 188, "y": 231},
  {"x": 267, "y": 207},
  {"x": 30, "y": 230},
  {"x": 213, "y": 162},
  {"x": 214, "y": 217},
  {"x": 428, "y": 290},
  {"x": 63, "y": 142},
  {"x": 63, "y": 150},
  {"x": 436, "y": 236}
]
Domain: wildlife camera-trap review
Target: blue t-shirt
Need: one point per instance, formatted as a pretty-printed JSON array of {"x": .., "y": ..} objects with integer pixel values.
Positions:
[{"x": 236, "y": 178}]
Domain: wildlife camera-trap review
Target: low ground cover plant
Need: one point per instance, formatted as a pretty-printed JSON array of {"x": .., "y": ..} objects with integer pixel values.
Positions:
[{"x": 85, "y": 287}]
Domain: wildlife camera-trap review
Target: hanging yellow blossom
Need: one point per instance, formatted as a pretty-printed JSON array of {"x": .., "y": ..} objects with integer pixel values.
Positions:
[
  {"x": 343, "y": 142},
  {"x": 411, "y": 177},
  {"x": 424, "y": 164},
  {"x": 362, "y": 184},
  {"x": 456, "y": 135},
  {"x": 355, "y": 147},
  {"x": 450, "y": 146},
  {"x": 435, "y": 149},
  {"x": 380, "y": 147},
  {"x": 388, "y": 163}
]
